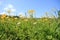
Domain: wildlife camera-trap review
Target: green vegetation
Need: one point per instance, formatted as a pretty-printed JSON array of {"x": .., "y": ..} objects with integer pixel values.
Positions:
[{"x": 13, "y": 28}]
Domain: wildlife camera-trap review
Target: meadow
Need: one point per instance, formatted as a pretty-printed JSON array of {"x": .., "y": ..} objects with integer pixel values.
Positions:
[{"x": 15, "y": 28}]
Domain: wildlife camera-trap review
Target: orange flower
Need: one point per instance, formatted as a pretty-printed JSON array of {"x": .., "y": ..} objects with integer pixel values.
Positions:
[{"x": 3, "y": 16}]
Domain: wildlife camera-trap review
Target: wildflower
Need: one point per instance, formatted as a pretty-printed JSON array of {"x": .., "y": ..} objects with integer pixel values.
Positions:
[
  {"x": 31, "y": 11},
  {"x": 26, "y": 20},
  {"x": 8, "y": 10},
  {"x": 20, "y": 15},
  {"x": 15, "y": 18},
  {"x": 52, "y": 16},
  {"x": 3, "y": 16},
  {"x": 18, "y": 23},
  {"x": 12, "y": 15},
  {"x": 7, "y": 17},
  {"x": 46, "y": 12},
  {"x": 35, "y": 23},
  {"x": 28, "y": 16},
  {"x": 46, "y": 19}
]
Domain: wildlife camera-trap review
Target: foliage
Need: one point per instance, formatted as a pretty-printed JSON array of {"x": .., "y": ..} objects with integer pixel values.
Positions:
[
  {"x": 21, "y": 28},
  {"x": 13, "y": 28}
]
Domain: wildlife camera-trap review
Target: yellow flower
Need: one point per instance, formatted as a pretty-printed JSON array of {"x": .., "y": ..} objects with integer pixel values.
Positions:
[
  {"x": 20, "y": 15},
  {"x": 28, "y": 16},
  {"x": 46, "y": 12},
  {"x": 25, "y": 19},
  {"x": 46, "y": 19},
  {"x": 3, "y": 16},
  {"x": 12, "y": 15},
  {"x": 52, "y": 16},
  {"x": 7, "y": 17},
  {"x": 8, "y": 10},
  {"x": 35, "y": 23},
  {"x": 15, "y": 18},
  {"x": 31, "y": 11},
  {"x": 18, "y": 23}
]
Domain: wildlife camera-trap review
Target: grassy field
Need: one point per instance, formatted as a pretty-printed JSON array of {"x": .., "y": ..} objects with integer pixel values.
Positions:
[
  {"x": 13, "y": 28},
  {"x": 22, "y": 28}
]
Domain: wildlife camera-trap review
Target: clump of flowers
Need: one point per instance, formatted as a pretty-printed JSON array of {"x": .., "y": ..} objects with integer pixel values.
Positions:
[
  {"x": 44, "y": 19},
  {"x": 35, "y": 23},
  {"x": 46, "y": 12},
  {"x": 20, "y": 15},
  {"x": 31, "y": 12},
  {"x": 8, "y": 10},
  {"x": 15, "y": 18},
  {"x": 3, "y": 16}
]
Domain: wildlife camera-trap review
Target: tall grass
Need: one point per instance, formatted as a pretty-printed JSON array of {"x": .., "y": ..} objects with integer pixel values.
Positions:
[{"x": 13, "y": 28}]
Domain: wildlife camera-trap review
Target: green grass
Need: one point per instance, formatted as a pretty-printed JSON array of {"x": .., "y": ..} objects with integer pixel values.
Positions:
[{"x": 29, "y": 29}]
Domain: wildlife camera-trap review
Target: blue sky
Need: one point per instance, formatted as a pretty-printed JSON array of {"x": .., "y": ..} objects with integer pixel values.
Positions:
[{"x": 21, "y": 6}]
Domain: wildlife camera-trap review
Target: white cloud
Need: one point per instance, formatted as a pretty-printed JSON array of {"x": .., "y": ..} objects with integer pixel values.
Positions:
[
  {"x": 5, "y": 8},
  {"x": 21, "y": 13},
  {"x": 12, "y": 14},
  {"x": 2, "y": 13},
  {"x": 10, "y": 6},
  {"x": 13, "y": 10}
]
